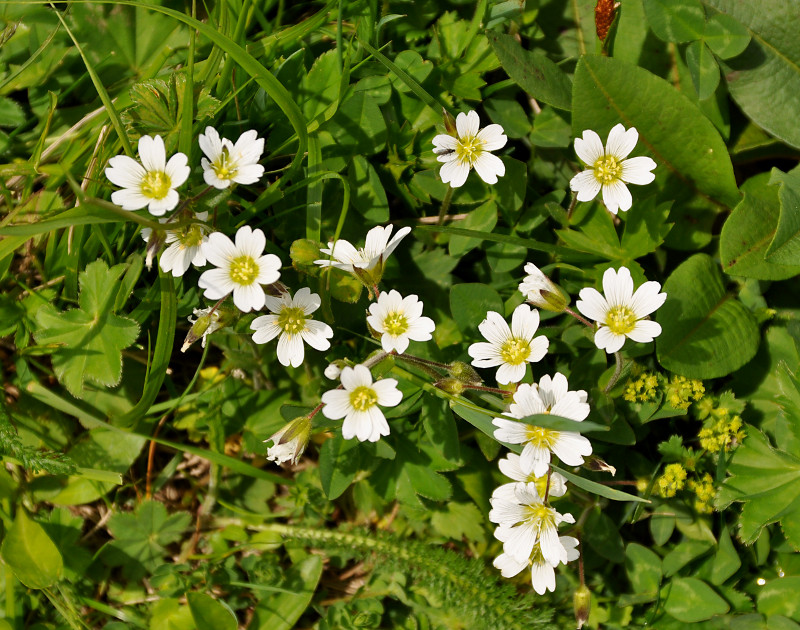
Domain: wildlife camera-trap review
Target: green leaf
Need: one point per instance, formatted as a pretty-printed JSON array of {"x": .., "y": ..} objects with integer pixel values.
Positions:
[
  {"x": 676, "y": 21},
  {"x": 482, "y": 219},
  {"x": 532, "y": 71},
  {"x": 557, "y": 423},
  {"x": 281, "y": 611},
  {"x": 597, "y": 488},
  {"x": 750, "y": 229},
  {"x": 646, "y": 228},
  {"x": 209, "y": 613},
  {"x": 602, "y": 534},
  {"x": 779, "y": 597},
  {"x": 644, "y": 570},
  {"x": 470, "y": 302},
  {"x": 765, "y": 79},
  {"x": 691, "y": 600},
  {"x": 459, "y": 520},
  {"x": 369, "y": 197},
  {"x": 726, "y": 560},
  {"x": 339, "y": 461},
  {"x": 671, "y": 128},
  {"x": 91, "y": 337},
  {"x": 703, "y": 68},
  {"x": 29, "y": 552},
  {"x": 706, "y": 333},
  {"x": 785, "y": 246},
  {"x": 725, "y": 36}
]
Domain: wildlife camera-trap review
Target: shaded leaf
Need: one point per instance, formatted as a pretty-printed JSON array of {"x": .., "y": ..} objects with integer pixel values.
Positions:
[{"x": 32, "y": 556}]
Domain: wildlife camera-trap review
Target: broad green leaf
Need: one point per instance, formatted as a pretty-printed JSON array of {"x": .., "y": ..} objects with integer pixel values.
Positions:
[
  {"x": 726, "y": 559},
  {"x": 169, "y": 614},
  {"x": 321, "y": 85},
  {"x": 540, "y": 77},
  {"x": 602, "y": 534},
  {"x": 779, "y": 597},
  {"x": 785, "y": 246},
  {"x": 725, "y": 36},
  {"x": 369, "y": 197},
  {"x": 671, "y": 128},
  {"x": 765, "y": 79},
  {"x": 32, "y": 556},
  {"x": 459, "y": 520},
  {"x": 358, "y": 126},
  {"x": 676, "y": 21},
  {"x": 281, "y": 611},
  {"x": 703, "y": 68},
  {"x": 11, "y": 114},
  {"x": 750, "y": 229},
  {"x": 706, "y": 332},
  {"x": 209, "y": 613},
  {"x": 417, "y": 471},
  {"x": 646, "y": 228},
  {"x": 691, "y": 600},
  {"x": 644, "y": 570},
  {"x": 470, "y": 302},
  {"x": 339, "y": 461},
  {"x": 91, "y": 338}
]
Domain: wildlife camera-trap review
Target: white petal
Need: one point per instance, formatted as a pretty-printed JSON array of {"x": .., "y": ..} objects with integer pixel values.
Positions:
[
  {"x": 616, "y": 196},
  {"x": 543, "y": 577},
  {"x": 216, "y": 282},
  {"x": 493, "y": 137},
  {"x": 494, "y": 328},
  {"x": 454, "y": 173},
  {"x": 586, "y": 185},
  {"x": 316, "y": 335},
  {"x": 539, "y": 348},
  {"x": 337, "y": 404},
  {"x": 645, "y": 331},
  {"x": 467, "y": 124},
  {"x": 638, "y": 170},
  {"x": 129, "y": 199},
  {"x": 359, "y": 376},
  {"x": 124, "y": 171},
  {"x": 508, "y": 566},
  {"x": 618, "y": 286},
  {"x": 620, "y": 142},
  {"x": 291, "y": 350},
  {"x": 524, "y": 322},
  {"x": 647, "y": 299},
  {"x": 489, "y": 167},
  {"x": 571, "y": 448},
  {"x": 510, "y": 373},
  {"x": 445, "y": 141},
  {"x": 152, "y": 153},
  {"x": 589, "y": 148},
  {"x": 592, "y": 304},
  {"x": 608, "y": 341}
]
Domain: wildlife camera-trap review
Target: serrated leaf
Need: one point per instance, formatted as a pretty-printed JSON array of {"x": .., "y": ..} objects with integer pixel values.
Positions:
[
  {"x": 459, "y": 520},
  {"x": 91, "y": 337},
  {"x": 29, "y": 552},
  {"x": 706, "y": 333}
]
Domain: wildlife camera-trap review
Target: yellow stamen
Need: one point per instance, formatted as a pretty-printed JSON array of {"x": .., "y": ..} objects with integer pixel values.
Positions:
[
  {"x": 607, "y": 169},
  {"x": 363, "y": 398},
  {"x": 156, "y": 184},
  {"x": 244, "y": 270}
]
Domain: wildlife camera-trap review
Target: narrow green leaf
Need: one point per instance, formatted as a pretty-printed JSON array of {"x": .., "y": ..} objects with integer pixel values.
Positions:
[{"x": 598, "y": 488}]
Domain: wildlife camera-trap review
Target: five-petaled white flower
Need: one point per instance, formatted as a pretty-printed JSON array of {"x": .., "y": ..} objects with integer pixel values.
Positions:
[
  {"x": 621, "y": 312},
  {"x": 608, "y": 169},
  {"x": 524, "y": 521},
  {"x": 367, "y": 263},
  {"x": 357, "y": 402},
  {"x": 542, "y": 292},
  {"x": 469, "y": 148},
  {"x": 291, "y": 319},
  {"x": 151, "y": 183},
  {"x": 226, "y": 162},
  {"x": 399, "y": 319},
  {"x": 510, "y": 348},
  {"x": 290, "y": 441},
  {"x": 543, "y": 575},
  {"x": 511, "y": 468},
  {"x": 552, "y": 397},
  {"x": 185, "y": 246},
  {"x": 242, "y": 268}
]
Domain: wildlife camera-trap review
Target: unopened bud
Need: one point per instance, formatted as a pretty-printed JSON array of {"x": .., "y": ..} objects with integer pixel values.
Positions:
[
  {"x": 541, "y": 291},
  {"x": 449, "y": 122},
  {"x": 290, "y": 442},
  {"x": 450, "y": 385},
  {"x": 155, "y": 240},
  {"x": 208, "y": 320},
  {"x": 582, "y": 604},
  {"x": 464, "y": 373},
  {"x": 598, "y": 465},
  {"x": 334, "y": 370}
]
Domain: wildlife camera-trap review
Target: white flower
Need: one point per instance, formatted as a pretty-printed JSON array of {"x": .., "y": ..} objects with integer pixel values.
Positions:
[
  {"x": 358, "y": 404},
  {"x": 367, "y": 263},
  {"x": 510, "y": 348},
  {"x": 333, "y": 371},
  {"x": 511, "y": 468},
  {"x": 608, "y": 169},
  {"x": 543, "y": 576},
  {"x": 524, "y": 521},
  {"x": 621, "y": 312},
  {"x": 242, "y": 268},
  {"x": 542, "y": 292},
  {"x": 291, "y": 319},
  {"x": 399, "y": 320},
  {"x": 151, "y": 183},
  {"x": 185, "y": 246},
  {"x": 470, "y": 148},
  {"x": 289, "y": 442},
  {"x": 550, "y": 396},
  {"x": 228, "y": 162}
]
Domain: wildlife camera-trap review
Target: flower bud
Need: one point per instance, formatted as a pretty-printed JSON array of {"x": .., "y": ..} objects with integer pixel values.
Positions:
[
  {"x": 450, "y": 385},
  {"x": 290, "y": 442},
  {"x": 598, "y": 465},
  {"x": 449, "y": 122},
  {"x": 464, "y": 373},
  {"x": 208, "y": 320},
  {"x": 334, "y": 370},
  {"x": 155, "y": 240},
  {"x": 541, "y": 291},
  {"x": 582, "y": 605}
]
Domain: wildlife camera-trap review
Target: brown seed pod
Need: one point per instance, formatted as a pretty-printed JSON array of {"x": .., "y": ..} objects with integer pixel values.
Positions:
[{"x": 604, "y": 12}]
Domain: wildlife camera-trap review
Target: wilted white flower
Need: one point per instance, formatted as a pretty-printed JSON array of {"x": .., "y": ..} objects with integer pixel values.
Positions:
[
  {"x": 185, "y": 246},
  {"x": 227, "y": 162},
  {"x": 367, "y": 263},
  {"x": 333, "y": 371},
  {"x": 291, "y": 319},
  {"x": 289, "y": 442},
  {"x": 399, "y": 319},
  {"x": 543, "y": 575},
  {"x": 608, "y": 169},
  {"x": 542, "y": 292},
  {"x": 242, "y": 268},
  {"x": 151, "y": 183},
  {"x": 621, "y": 312},
  {"x": 470, "y": 148},
  {"x": 550, "y": 396},
  {"x": 510, "y": 348},
  {"x": 524, "y": 521},
  {"x": 357, "y": 402}
]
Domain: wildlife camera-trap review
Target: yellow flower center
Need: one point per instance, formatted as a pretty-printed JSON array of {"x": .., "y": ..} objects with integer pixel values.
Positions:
[
  {"x": 541, "y": 515},
  {"x": 468, "y": 149},
  {"x": 292, "y": 320},
  {"x": 515, "y": 351},
  {"x": 156, "y": 184},
  {"x": 363, "y": 398},
  {"x": 607, "y": 169},
  {"x": 244, "y": 270},
  {"x": 621, "y": 319},
  {"x": 395, "y": 323},
  {"x": 224, "y": 167},
  {"x": 191, "y": 236},
  {"x": 542, "y": 438}
]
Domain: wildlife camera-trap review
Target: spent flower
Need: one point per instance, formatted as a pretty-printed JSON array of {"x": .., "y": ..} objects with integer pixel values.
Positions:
[
  {"x": 470, "y": 148},
  {"x": 542, "y": 292},
  {"x": 207, "y": 321},
  {"x": 226, "y": 163},
  {"x": 399, "y": 320},
  {"x": 289, "y": 442},
  {"x": 185, "y": 246}
]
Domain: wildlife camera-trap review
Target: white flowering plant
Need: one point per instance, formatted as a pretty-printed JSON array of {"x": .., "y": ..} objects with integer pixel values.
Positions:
[{"x": 320, "y": 316}]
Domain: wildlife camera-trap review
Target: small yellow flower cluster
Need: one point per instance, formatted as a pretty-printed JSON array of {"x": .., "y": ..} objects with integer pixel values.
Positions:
[
  {"x": 705, "y": 491},
  {"x": 721, "y": 432},
  {"x": 673, "y": 479},
  {"x": 642, "y": 389},
  {"x": 681, "y": 391}
]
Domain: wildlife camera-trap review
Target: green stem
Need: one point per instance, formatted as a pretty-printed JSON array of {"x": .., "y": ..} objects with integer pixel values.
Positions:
[
  {"x": 617, "y": 372},
  {"x": 448, "y": 197}
]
